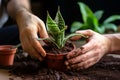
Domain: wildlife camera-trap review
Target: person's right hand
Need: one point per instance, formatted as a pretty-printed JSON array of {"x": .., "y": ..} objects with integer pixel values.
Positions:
[
  {"x": 90, "y": 53},
  {"x": 30, "y": 27}
]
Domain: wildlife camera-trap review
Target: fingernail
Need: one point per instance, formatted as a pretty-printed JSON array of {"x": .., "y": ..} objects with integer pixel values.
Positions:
[{"x": 43, "y": 54}]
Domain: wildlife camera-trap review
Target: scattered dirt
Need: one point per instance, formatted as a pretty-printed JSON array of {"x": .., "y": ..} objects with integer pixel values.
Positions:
[
  {"x": 31, "y": 69},
  {"x": 27, "y": 68}
]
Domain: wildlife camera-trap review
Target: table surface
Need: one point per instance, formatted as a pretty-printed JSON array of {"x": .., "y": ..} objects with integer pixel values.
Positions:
[{"x": 5, "y": 75}]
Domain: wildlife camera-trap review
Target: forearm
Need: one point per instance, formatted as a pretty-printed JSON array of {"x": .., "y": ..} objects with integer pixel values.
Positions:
[
  {"x": 19, "y": 10},
  {"x": 17, "y": 6},
  {"x": 115, "y": 41}
]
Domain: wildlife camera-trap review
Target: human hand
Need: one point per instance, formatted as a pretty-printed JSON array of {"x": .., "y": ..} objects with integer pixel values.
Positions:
[
  {"x": 30, "y": 26},
  {"x": 90, "y": 53}
]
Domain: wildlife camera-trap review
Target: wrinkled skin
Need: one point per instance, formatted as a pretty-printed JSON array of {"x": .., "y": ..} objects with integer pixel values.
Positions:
[
  {"x": 29, "y": 31},
  {"x": 96, "y": 47}
]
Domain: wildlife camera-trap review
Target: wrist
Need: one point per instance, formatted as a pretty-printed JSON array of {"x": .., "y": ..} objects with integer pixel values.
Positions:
[
  {"x": 21, "y": 18},
  {"x": 110, "y": 42},
  {"x": 20, "y": 13}
]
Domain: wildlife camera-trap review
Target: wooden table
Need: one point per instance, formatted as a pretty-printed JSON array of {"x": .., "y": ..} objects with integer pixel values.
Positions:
[{"x": 5, "y": 75}]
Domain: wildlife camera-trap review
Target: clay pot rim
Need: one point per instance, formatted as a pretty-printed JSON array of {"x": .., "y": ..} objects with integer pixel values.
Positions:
[
  {"x": 57, "y": 54},
  {"x": 7, "y": 49}
]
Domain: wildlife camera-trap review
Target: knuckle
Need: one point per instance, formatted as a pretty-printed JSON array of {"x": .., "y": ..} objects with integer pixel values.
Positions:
[
  {"x": 72, "y": 61},
  {"x": 89, "y": 31},
  {"x": 84, "y": 58}
]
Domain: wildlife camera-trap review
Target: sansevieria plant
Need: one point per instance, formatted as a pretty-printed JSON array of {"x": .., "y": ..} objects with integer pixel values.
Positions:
[
  {"x": 57, "y": 42},
  {"x": 56, "y": 30}
]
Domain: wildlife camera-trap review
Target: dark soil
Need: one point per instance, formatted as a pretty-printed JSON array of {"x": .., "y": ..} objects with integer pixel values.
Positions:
[
  {"x": 30, "y": 69},
  {"x": 53, "y": 49}
]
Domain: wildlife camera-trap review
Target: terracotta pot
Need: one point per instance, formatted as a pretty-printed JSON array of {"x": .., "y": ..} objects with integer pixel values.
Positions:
[
  {"x": 56, "y": 61},
  {"x": 7, "y": 55}
]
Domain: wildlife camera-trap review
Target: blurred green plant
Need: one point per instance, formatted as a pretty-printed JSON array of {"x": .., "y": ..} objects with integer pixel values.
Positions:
[{"x": 91, "y": 20}]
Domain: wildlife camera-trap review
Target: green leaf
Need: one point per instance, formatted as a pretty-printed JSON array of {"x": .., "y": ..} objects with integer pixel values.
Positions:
[
  {"x": 111, "y": 19},
  {"x": 110, "y": 26},
  {"x": 76, "y": 26},
  {"x": 71, "y": 35},
  {"x": 91, "y": 22},
  {"x": 51, "y": 25},
  {"x": 40, "y": 39},
  {"x": 87, "y": 14},
  {"x": 85, "y": 11},
  {"x": 100, "y": 29},
  {"x": 56, "y": 29},
  {"x": 59, "y": 20},
  {"x": 99, "y": 14},
  {"x": 53, "y": 30},
  {"x": 61, "y": 24}
]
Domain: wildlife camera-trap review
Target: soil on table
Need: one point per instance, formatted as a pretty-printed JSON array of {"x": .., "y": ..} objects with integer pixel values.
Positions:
[{"x": 108, "y": 68}]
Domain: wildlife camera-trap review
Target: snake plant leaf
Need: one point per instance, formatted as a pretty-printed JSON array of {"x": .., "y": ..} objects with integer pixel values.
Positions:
[
  {"x": 56, "y": 30},
  {"x": 71, "y": 35},
  {"x": 59, "y": 20},
  {"x": 111, "y": 19},
  {"x": 40, "y": 39},
  {"x": 51, "y": 25},
  {"x": 61, "y": 24}
]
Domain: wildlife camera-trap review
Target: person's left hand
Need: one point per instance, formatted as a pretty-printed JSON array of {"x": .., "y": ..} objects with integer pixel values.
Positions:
[{"x": 90, "y": 53}]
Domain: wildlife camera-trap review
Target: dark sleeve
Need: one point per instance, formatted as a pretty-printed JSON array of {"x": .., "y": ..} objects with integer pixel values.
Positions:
[{"x": 5, "y": 2}]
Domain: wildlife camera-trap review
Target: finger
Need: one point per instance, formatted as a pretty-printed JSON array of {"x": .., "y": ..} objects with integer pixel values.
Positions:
[
  {"x": 84, "y": 65},
  {"x": 86, "y": 32},
  {"x": 34, "y": 43},
  {"x": 38, "y": 47},
  {"x": 30, "y": 49},
  {"x": 84, "y": 60},
  {"x": 25, "y": 43},
  {"x": 42, "y": 30},
  {"x": 72, "y": 61},
  {"x": 87, "y": 47},
  {"x": 35, "y": 54},
  {"x": 81, "y": 58},
  {"x": 74, "y": 53},
  {"x": 75, "y": 38}
]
